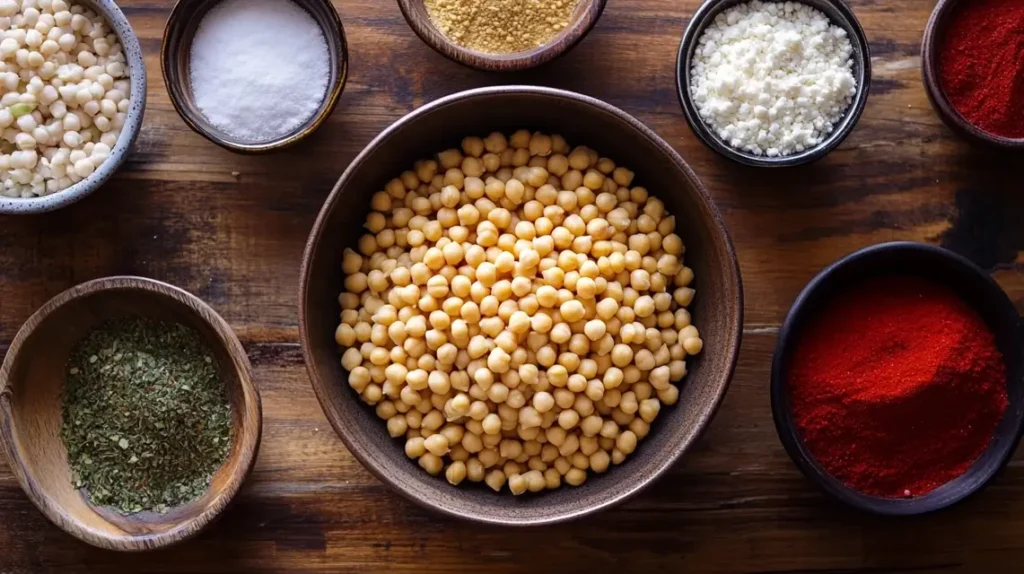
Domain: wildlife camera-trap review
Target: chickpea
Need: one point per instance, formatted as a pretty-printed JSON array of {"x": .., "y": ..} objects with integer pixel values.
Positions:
[
  {"x": 517, "y": 312},
  {"x": 495, "y": 479},
  {"x": 693, "y": 345},
  {"x": 431, "y": 463},
  {"x": 575, "y": 477},
  {"x": 684, "y": 277},
  {"x": 456, "y": 473},
  {"x": 572, "y": 311},
  {"x": 436, "y": 444},
  {"x": 567, "y": 419},
  {"x": 595, "y": 329}
]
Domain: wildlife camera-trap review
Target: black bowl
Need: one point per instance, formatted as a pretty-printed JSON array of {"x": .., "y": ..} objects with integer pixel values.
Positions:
[
  {"x": 979, "y": 291},
  {"x": 840, "y": 14}
]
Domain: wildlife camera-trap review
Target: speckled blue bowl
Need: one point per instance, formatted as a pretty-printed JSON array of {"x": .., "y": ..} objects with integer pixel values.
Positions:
[{"x": 132, "y": 124}]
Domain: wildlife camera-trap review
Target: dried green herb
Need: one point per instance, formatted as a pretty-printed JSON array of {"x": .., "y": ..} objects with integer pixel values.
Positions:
[{"x": 146, "y": 418}]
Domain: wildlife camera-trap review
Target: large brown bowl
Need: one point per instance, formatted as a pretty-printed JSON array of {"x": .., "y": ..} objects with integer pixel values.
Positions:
[
  {"x": 31, "y": 383},
  {"x": 717, "y": 310}
]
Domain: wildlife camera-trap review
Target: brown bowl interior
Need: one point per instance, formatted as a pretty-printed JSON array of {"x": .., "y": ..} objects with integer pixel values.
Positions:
[
  {"x": 583, "y": 121},
  {"x": 583, "y": 19},
  {"x": 934, "y": 35},
  {"x": 175, "y": 62},
  {"x": 31, "y": 383}
]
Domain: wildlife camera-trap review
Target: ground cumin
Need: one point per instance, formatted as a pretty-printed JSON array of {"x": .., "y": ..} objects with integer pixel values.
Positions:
[{"x": 500, "y": 26}]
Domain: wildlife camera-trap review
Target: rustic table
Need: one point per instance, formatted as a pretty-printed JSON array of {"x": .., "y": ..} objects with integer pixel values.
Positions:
[{"x": 231, "y": 230}]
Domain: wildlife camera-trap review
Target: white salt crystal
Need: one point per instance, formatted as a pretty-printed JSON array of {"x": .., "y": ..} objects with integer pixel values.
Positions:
[{"x": 259, "y": 68}]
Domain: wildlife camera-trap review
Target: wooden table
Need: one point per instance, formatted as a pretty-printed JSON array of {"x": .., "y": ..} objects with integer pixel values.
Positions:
[{"x": 231, "y": 230}]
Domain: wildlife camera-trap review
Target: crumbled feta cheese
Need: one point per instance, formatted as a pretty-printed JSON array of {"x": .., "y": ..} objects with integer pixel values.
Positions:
[{"x": 772, "y": 78}]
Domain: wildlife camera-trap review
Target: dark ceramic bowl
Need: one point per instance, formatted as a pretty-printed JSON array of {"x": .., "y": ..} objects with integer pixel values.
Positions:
[
  {"x": 840, "y": 15},
  {"x": 933, "y": 35},
  {"x": 175, "y": 58},
  {"x": 978, "y": 290},
  {"x": 583, "y": 20},
  {"x": 717, "y": 310}
]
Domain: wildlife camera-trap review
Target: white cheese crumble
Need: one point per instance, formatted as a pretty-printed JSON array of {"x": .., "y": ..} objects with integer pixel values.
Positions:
[{"x": 772, "y": 78}]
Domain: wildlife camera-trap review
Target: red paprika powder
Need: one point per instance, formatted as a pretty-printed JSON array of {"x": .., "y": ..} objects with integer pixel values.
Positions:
[
  {"x": 897, "y": 386},
  {"x": 981, "y": 64}
]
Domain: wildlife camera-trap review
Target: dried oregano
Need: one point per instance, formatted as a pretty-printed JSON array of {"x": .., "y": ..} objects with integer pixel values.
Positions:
[{"x": 146, "y": 418}]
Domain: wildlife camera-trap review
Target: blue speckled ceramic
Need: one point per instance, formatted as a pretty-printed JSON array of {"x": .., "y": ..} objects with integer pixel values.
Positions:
[{"x": 132, "y": 125}]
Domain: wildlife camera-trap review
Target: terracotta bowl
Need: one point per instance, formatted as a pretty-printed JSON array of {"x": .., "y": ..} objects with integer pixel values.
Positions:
[
  {"x": 930, "y": 45},
  {"x": 175, "y": 61},
  {"x": 31, "y": 382},
  {"x": 129, "y": 133},
  {"x": 583, "y": 19},
  {"x": 979, "y": 291},
  {"x": 718, "y": 308}
]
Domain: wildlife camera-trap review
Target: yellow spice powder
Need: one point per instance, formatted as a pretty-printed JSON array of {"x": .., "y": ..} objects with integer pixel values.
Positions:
[{"x": 500, "y": 26}]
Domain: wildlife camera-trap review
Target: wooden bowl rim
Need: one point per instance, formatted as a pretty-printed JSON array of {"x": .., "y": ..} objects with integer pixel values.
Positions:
[
  {"x": 518, "y": 61},
  {"x": 937, "y": 95},
  {"x": 250, "y": 394},
  {"x": 947, "y": 495},
  {"x": 180, "y": 14},
  {"x": 699, "y": 22},
  {"x": 730, "y": 269}
]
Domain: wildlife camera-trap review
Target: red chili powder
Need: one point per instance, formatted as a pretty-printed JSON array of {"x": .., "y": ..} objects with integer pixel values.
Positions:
[
  {"x": 981, "y": 64},
  {"x": 897, "y": 386}
]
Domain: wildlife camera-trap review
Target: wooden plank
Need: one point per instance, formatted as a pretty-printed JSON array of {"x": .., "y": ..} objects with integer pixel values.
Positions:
[
  {"x": 177, "y": 212},
  {"x": 735, "y": 504}
]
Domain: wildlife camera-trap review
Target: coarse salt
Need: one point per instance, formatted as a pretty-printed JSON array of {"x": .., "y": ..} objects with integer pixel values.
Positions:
[
  {"x": 259, "y": 68},
  {"x": 772, "y": 78}
]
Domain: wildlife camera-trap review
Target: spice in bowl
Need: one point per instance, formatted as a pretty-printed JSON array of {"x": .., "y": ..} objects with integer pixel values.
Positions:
[
  {"x": 500, "y": 26},
  {"x": 517, "y": 312},
  {"x": 772, "y": 78},
  {"x": 897, "y": 387},
  {"x": 259, "y": 69},
  {"x": 66, "y": 95},
  {"x": 981, "y": 64},
  {"x": 146, "y": 418}
]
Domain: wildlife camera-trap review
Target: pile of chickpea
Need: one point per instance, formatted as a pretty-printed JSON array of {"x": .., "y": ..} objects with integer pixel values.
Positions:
[{"x": 517, "y": 312}]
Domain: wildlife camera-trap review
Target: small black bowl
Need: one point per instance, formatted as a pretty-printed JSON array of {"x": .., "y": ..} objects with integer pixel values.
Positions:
[
  {"x": 839, "y": 14},
  {"x": 934, "y": 34},
  {"x": 979, "y": 291}
]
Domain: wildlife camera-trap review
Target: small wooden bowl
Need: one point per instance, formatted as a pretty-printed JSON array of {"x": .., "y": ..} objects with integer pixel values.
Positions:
[
  {"x": 31, "y": 382},
  {"x": 175, "y": 62},
  {"x": 934, "y": 33},
  {"x": 979, "y": 291},
  {"x": 583, "y": 19},
  {"x": 839, "y": 14},
  {"x": 582, "y": 120}
]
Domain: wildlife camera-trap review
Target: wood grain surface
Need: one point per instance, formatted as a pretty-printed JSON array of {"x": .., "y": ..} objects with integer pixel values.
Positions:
[{"x": 231, "y": 230}]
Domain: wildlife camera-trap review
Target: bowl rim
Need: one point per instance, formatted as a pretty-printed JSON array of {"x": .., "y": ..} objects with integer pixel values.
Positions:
[
  {"x": 699, "y": 22},
  {"x": 517, "y": 61},
  {"x": 945, "y": 109},
  {"x": 129, "y": 132},
  {"x": 180, "y": 15},
  {"x": 250, "y": 393},
  {"x": 786, "y": 430},
  {"x": 319, "y": 382}
]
